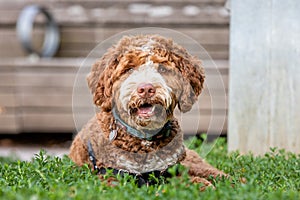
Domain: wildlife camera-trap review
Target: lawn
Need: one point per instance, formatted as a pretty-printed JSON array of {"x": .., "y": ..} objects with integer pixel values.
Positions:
[{"x": 276, "y": 175}]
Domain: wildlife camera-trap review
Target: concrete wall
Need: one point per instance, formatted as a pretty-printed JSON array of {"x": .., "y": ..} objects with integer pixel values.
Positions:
[{"x": 264, "y": 88}]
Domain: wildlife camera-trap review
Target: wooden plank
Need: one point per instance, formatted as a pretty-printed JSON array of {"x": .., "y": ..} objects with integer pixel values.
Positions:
[
  {"x": 42, "y": 74},
  {"x": 87, "y": 109},
  {"x": 10, "y": 5},
  {"x": 215, "y": 81},
  {"x": 116, "y": 17},
  {"x": 9, "y": 45},
  {"x": 80, "y": 41},
  {"x": 49, "y": 100},
  {"x": 65, "y": 100},
  {"x": 80, "y": 34},
  {"x": 8, "y": 36},
  {"x": 90, "y": 12},
  {"x": 47, "y": 122},
  {"x": 96, "y": 35},
  {"x": 47, "y": 89},
  {"x": 51, "y": 80},
  {"x": 67, "y": 80},
  {"x": 215, "y": 54},
  {"x": 42, "y": 63},
  {"x": 7, "y": 79},
  {"x": 215, "y": 102},
  {"x": 81, "y": 53},
  {"x": 9, "y": 123},
  {"x": 64, "y": 122},
  {"x": 211, "y": 42},
  {"x": 203, "y": 124},
  {"x": 89, "y": 45},
  {"x": 8, "y": 100},
  {"x": 85, "y": 48}
]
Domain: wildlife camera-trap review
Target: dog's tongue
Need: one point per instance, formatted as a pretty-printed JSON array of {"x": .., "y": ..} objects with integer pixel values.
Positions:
[{"x": 145, "y": 111}]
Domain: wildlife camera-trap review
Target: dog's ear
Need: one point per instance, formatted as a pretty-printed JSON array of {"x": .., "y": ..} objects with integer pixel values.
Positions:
[
  {"x": 100, "y": 80},
  {"x": 193, "y": 79}
]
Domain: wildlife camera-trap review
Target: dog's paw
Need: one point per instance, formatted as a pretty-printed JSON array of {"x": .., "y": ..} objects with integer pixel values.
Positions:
[
  {"x": 221, "y": 175},
  {"x": 205, "y": 183}
]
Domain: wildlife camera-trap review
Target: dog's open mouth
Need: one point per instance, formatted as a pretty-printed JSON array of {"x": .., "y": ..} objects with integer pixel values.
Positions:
[{"x": 146, "y": 110}]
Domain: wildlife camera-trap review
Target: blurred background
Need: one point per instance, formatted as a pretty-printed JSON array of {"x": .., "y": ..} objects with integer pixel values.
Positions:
[{"x": 36, "y": 93}]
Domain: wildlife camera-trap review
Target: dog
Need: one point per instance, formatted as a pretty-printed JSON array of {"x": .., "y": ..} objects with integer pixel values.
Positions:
[{"x": 137, "y": 84}]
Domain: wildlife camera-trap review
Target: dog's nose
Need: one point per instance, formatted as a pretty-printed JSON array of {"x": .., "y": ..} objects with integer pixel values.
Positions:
[{"x": 146, "y": 90}]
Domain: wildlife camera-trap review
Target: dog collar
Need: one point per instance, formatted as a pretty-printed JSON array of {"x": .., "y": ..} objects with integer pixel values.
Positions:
[{"x": 141, "y": 134}]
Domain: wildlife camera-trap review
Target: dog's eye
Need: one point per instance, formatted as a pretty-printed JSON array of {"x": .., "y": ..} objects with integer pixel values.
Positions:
[
  {"x": 128, "y": 70},
  {"x": 161, "y": 69}
]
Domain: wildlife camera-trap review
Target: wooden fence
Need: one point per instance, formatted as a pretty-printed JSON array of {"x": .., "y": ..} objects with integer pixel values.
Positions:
[{"x": 37, "y": 96}]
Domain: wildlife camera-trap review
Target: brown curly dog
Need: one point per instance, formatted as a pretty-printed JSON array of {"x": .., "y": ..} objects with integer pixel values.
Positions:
[{"x": 136, "y": 85}]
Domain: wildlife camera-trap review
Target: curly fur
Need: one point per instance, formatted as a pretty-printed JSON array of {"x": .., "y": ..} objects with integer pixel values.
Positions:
[
  {"x": 185, "y": 78},
  {"x": 165, "y": 51}
]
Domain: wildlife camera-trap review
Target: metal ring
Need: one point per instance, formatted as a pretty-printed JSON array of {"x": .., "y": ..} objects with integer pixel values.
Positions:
[{"x": 24, "y": 31}]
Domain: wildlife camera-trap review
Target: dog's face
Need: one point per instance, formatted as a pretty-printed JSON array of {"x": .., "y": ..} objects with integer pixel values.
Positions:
[
  {"x": 145, "y": 95},
  {"x": 146, "y": 86}
]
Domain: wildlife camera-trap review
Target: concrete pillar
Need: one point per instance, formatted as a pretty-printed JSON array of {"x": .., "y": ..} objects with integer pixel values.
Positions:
[{"x": 264, "y": 88}]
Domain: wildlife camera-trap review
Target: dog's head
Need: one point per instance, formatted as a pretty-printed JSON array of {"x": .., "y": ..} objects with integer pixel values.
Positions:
[{"x": 144, "y": 77}]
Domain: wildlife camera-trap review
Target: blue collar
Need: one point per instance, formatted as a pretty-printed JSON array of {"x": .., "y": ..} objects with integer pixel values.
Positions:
[{"x": 143, "y": 134}]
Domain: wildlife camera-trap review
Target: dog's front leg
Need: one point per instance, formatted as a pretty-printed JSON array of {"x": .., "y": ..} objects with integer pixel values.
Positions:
[
  {"x": 198, "y": 167},
  {"x": 79, "y": 152}
]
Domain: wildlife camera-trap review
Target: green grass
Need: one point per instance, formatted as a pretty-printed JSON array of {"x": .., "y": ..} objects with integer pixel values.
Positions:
[{"x": 276, "y": 175}]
